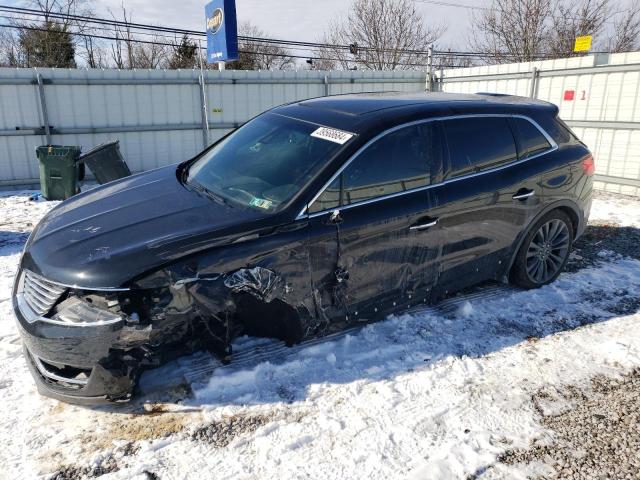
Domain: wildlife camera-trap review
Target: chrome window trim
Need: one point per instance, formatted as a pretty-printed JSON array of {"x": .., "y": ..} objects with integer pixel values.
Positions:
[{"x": 554, "y": 146}]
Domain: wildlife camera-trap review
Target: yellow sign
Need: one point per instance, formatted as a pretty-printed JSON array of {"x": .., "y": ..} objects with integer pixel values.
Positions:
[{"x": 583, "y": 44}]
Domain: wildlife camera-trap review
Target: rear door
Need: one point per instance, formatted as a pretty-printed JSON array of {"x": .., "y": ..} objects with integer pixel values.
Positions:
[
  {"x": 488, "y": 196},
  {"x": 372, "y": 248}
]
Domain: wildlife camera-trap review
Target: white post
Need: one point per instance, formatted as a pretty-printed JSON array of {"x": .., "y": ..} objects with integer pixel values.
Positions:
[
  {"x": 430, "y": 69},
  {"x": 203, "y": 100},
  {"x": 220, "y": 66}
]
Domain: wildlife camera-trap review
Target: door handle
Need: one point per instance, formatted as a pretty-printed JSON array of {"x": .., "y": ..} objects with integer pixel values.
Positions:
[
  {"x": 423, "y": 226},
  {"x": 523, "y": 194}
]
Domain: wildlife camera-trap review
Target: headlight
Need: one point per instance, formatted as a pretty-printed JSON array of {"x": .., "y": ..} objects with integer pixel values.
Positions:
[{"x": 79, "y": 313}]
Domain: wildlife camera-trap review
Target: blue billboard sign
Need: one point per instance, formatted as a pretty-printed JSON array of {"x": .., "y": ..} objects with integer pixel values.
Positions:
[{"x": 222, "y": 31}]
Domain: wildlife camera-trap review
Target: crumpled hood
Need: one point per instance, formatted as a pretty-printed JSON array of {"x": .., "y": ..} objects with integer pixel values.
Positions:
[{"x": 108, "y": 235}]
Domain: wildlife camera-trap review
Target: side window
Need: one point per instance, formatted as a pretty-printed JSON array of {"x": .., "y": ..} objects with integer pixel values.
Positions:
[
  {"x": 329, "y": 199},
  {"x": 478, "y": 143},
  {"x": 530, "y": 140},
  {"x": 399, "y": 161}
]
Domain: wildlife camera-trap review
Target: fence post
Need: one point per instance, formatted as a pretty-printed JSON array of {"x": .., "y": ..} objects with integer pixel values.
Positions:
[
  {"x": 534, "y": 82},
  {"x": 430, "y": 69},
  {"x": 326, "y": 86},
  {"x": 43, "y": 106},
  {"x": 203, "y": 102}
]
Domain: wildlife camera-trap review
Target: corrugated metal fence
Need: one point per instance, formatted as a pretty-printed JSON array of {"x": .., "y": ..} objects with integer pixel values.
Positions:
[
  {"x": 598, "y": 96},
  {"x": 160, "y": 117}
]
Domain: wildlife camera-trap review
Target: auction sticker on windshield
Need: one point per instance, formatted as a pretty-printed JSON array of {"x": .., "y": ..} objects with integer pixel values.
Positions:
[{"x": 333, "y": 135}]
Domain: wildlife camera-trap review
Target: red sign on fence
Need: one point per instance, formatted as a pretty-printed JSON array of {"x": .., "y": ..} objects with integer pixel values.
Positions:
[{"x": 569, "y": 95}]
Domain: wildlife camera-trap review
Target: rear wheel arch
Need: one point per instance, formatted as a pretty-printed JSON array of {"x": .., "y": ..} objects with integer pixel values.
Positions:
[{"x": 568, "y": 207}]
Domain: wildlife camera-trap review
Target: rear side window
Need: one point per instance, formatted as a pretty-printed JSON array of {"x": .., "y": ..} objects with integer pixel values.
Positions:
[
  {"x": 531, "y": 141},
  {"x": 478, "y": 143},
  {"x": 557, "y": 129},
  {"x": 400, "y": 161}
]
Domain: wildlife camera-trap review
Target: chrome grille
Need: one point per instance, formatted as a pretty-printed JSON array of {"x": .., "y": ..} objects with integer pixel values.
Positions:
[{"x": 40, "y": 294}]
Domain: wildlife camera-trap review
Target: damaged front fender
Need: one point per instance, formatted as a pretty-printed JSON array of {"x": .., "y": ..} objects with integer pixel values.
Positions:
[{"x": 237, "y": 291}]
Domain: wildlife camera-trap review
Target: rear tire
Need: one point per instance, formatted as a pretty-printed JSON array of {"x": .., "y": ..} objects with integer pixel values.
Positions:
[{"x": 544, "y": 251}]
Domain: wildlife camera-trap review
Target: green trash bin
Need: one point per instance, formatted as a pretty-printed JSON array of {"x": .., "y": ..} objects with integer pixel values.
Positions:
[{"x": 60, "y": 171}]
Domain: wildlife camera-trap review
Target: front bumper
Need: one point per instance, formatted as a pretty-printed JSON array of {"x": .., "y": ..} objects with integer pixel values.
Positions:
[
  {"x": 79, "y": 364},
  {"x": 92, "y": 392}
]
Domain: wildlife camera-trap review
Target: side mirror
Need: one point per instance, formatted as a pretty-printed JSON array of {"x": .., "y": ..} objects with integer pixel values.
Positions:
[{"x": 335, "y": 217}]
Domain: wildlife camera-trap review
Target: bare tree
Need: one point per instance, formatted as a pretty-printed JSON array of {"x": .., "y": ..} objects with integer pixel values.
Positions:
[
  {"x": 448, "y": 59},
  {"x": 93, "y": 52},
  {"x": 513, "y": 30},
  {"x": 7, "y": 49},
  {"x": 60, "y": 7},
  {"x": 325, "y": 62},
  {"x": 525, "y": 30},
  {"x": 256, "y": 55},
  {"x": 570, "y": 21},
  {"x": 149, "y": 55},
  {"x": 626, "y": 31},
  {"x": 122, "y": 47},
  {"x": 127, "y": 53},
  {"x": 385, "y": 35}
]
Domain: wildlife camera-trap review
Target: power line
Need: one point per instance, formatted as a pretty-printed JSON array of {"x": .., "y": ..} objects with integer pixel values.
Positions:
[
  {"x": 450, "y": 4},
  {"x": 442, "y": 3}
]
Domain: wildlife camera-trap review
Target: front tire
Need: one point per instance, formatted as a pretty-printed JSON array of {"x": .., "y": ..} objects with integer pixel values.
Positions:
[{"x": 544, "y": 251}]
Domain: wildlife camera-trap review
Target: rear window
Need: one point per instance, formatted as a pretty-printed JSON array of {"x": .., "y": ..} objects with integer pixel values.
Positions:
[
  {"x": 478, "y": 143},
  {"x": 531, "y": 141}
]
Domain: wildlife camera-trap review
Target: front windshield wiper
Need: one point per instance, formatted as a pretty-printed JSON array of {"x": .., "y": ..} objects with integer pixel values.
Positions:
[{"x": 206, "y": 192}]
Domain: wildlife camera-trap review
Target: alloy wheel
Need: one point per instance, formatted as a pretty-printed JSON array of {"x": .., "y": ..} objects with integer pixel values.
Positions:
[{"x": 548, "y": 251}]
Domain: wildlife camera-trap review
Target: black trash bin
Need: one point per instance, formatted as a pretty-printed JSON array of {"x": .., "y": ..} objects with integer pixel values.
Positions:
[
  {"x": 106, "y": 162},
  {"x": 60, "y": 171}
]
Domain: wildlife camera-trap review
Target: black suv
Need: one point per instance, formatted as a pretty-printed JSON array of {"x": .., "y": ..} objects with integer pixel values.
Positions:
[{"x": 310, "y": 218}]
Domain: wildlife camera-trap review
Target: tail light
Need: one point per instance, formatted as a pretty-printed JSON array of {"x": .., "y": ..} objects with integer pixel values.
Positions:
[{"x": 589, "y": 165}]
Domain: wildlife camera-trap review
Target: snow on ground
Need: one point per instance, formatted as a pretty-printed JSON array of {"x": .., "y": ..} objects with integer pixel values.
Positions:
[
  {"x": 429, "y": 394},
  {"x": 616, "y": 209}
]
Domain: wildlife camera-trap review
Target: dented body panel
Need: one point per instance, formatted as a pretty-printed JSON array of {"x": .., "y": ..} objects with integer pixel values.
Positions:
[{"x": 174, "y": 270}]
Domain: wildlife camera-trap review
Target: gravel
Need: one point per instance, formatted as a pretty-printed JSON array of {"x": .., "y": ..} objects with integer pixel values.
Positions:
[
  {"x": 600, "y": 240},
  {"x": 598, "y": 438},
  {"x": 221, "y": 433}
]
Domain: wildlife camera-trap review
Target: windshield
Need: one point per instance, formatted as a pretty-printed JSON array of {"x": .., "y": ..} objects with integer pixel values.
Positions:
[{"x": 265, "y": 162}]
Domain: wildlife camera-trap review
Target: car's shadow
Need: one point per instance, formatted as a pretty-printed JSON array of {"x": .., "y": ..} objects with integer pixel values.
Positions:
[
  {"x": 597, "y": 287},
  {"x": 12, "y": 242}
]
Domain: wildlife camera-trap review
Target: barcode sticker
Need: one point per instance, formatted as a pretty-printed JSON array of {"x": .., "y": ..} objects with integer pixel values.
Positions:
[{"x": 333, "y": 135}]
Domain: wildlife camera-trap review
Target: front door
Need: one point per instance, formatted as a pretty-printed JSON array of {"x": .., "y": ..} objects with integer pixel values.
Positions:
[{"x": 373, "y": 245}]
